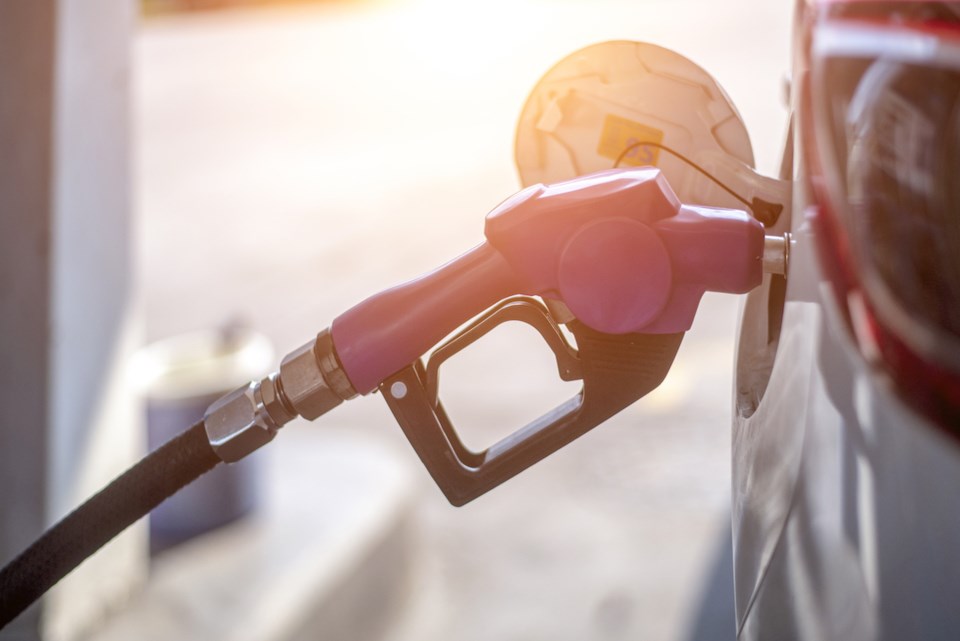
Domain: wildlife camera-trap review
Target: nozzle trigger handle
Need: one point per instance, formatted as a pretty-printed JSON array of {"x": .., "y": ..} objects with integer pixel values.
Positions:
[{"x": 616, "y": 371}]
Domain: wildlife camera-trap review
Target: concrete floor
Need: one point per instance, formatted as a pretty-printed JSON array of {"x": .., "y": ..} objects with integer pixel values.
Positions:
[{"x": 294, "y": 160}]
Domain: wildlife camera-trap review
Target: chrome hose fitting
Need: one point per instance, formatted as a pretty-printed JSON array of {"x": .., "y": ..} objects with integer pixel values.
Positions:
[
  {"x": 310, "y": 383},
  {"x": 776, "y": 254}
]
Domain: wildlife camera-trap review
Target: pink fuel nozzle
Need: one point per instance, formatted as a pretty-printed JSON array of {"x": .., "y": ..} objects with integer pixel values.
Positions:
[
  {"x": 627, "y": 260},
  {"x": 616, "y": 247},
  {"x": 617, "y": 259}
]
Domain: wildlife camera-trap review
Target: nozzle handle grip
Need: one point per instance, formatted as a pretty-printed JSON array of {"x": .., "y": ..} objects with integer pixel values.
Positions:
[{"x": 388, "y": 331}]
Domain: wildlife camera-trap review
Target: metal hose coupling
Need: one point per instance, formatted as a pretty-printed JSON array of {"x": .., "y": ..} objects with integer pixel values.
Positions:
[{"x": 310, "y": 383}]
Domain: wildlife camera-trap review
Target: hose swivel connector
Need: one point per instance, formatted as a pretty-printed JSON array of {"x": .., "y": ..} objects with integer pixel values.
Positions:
[{"x": 310, "y": 383}]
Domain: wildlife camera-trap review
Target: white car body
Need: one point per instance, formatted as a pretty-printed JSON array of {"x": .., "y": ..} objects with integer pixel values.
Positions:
[{"x": 846, "y": 512}]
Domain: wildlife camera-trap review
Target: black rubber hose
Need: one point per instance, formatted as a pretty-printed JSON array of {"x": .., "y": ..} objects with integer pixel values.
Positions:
[{"x": 85, "y": 530}]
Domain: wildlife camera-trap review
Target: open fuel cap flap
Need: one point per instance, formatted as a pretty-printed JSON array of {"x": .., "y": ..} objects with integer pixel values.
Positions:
[{"x": 600, "y": 101}]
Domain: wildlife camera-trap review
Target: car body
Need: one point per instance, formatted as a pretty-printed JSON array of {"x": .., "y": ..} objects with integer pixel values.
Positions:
[{"x": 846, "y": 516}]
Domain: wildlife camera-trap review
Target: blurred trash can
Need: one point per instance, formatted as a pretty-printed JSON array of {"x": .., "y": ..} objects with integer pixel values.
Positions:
[{"x": 181, "y": 377}]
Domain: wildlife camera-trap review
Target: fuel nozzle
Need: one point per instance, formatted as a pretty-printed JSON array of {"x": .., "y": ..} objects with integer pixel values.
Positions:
[
  {"x": 310, "y": 383},
  {"x": 617, "y": 251}
]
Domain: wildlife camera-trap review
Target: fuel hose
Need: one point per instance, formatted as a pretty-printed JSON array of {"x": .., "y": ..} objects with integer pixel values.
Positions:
[{"x": 89, "y": 527}]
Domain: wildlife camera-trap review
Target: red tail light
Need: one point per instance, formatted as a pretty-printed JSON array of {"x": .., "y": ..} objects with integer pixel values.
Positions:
[{"x": 885, "y": 105}]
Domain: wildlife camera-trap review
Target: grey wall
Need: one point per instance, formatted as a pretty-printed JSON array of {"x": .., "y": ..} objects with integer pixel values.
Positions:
[
  {"x": 27, "y": 33},
  {"x": 68, "y": 417}
]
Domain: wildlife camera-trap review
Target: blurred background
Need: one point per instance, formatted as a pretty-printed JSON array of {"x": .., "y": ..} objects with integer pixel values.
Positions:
[{"x": 289, "y": 159}]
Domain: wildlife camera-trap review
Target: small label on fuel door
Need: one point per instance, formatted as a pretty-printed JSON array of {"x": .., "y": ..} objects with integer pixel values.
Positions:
[{"x": 622, "y": 136}]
